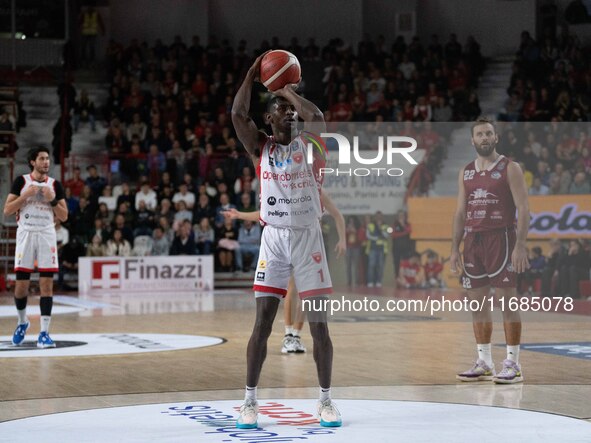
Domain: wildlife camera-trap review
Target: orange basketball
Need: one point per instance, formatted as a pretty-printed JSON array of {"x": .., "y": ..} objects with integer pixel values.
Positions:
[{"x": 279, "y": 68}]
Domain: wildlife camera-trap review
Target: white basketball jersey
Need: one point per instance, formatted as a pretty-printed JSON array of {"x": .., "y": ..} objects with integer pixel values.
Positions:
[
  {"x": 36, "y": 214},
  {"x": 289, "y": 186}
]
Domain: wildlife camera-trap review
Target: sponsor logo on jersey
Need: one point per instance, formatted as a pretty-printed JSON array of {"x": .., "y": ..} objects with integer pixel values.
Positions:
[
  {"x": 260, "y": 276},
  {"x": 262, "y": 264},
  {"x": 468, "y": 265},
  {"x": 501, "y": 166},
  {"x": 317, "y": 256},
  {"x": 478, "y": 215},
  {"x": 510, "y": 268},
  {"x": 481, "y": 197},
  {"x": 272, "y": 201},
  {"x": 276, "y": 213},
  {"x": 496, "y": 175},
  {"x": 291, "y": 201},
  {"x": 298, "y": 157}
]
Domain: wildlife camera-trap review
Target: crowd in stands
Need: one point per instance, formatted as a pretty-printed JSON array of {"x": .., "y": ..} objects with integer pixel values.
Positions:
[
  {"x": 175, "y": 163},
  {"x": 551, "y": 82}
]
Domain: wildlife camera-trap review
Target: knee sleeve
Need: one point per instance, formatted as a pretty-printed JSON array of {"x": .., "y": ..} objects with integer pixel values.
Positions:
[{"x": 46, "y": 274}]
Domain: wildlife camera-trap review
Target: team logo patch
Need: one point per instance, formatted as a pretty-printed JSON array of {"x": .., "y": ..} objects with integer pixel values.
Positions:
[
  {"x": 298, "y": 157},
  {"x": 262, "y": 264},
  {"x": 317, "y": 256},
  {"x": 496, "y": 175},
  {"x": 260, "y": 276},
  {"x": 510, "y": 268},
  {"x": 272, "y": 201},
  {"x": 501, "y": 166}
]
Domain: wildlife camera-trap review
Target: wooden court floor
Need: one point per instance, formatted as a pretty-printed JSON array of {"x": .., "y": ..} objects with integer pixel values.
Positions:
[{"x": 395, "y": 357}]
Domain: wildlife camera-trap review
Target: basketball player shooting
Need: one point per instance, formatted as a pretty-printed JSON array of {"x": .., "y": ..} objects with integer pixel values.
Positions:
[
  {"x": 491, "y": 188},
  {"x": 292, "y": 238},
  {"x": 35, "y": 198}
]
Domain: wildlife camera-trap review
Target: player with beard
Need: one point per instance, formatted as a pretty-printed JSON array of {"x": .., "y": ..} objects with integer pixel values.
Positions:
[{"x": 491, "y": 188}]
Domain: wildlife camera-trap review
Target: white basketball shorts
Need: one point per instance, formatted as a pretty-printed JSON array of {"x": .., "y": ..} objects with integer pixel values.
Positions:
[
  {"x": 36, "y": 245},
  {"x": 297, "y": 250}
]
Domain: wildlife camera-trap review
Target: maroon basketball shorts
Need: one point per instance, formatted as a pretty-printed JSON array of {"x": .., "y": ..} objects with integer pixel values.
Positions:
[{"x": 487, "y": 259}]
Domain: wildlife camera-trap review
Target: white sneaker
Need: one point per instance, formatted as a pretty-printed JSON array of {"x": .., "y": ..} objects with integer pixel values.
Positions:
[
  {"x": 289, "y": 344},
  {"x": 299, "y": 348},
  {"x": 370, "y": 285},
  {"x": 330, "y": 416},
  {"x": 378, "y": 285},
  {"x": 248, "y": 417}
]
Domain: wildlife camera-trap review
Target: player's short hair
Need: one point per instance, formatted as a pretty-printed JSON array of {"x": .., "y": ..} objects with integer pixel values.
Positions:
[
  {"x": 272, "y": 102},
  {"x": 482, "y": 121},
  {"x": 34, "y": 153}
]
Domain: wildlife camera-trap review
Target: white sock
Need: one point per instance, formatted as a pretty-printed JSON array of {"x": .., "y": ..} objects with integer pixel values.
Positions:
[
  {"x": 513, "y": 353},
  {"x": 22, "y": 316},
  {"x": 485, "y": 353},
  {"x": 324, "y": 394},
  {"x": 288, "y": 330},
  {"x": 45, "y": 320},
  {"x": 251, "y": 393},
  {"x": 296, "y": 332}
]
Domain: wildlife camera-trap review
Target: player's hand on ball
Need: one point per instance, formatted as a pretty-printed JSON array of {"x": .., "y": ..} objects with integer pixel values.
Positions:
[
  {"x": 256, "y": 66},
  {"x": 291, "y": 87},
  {"x": 455, "y": 263},
  {"x": 341, "y": 248},
  {"x": 519, "y": 259},
  {"x": 48, "y": 193}
]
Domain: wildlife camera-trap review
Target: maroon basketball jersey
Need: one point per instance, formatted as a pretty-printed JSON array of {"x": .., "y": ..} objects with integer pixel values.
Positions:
[{"x": 489, "y": 202}]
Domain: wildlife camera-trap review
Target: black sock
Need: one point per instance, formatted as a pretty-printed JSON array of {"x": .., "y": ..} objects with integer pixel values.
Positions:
[
  {"x": 45, "y": 304},
  {"x": 21, "y": 303}
]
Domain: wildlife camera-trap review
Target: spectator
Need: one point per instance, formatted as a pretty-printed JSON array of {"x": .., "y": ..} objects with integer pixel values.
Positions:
[
  {"x": 125, "y": 196},
  {"x": 69, "y": 264},
  {"x": 203, "y": 209},
  {"x": 144, "y": 220},
  {"x": 537, "y": 266},
  {"x": 184, "y": 195},
  {"x": 104, "y": 214},
  {"x": 76, "y": 184},
  {"x": 72, "y": 203},
  {"x": 227, "y": 237},
  {"x": 183, "y": 243},
  {"x": 84, "y": 111},
  {"x": 354, "y": 243},
  {"x": 182, "y": 214},
  {"x": 204, "y": 236},
  {"x": 402, "y": 245},
  {"x": 249, "y": 238},
  {"x": 83, "y": 221},
  {"x": 94, "y": 181},
  {"x": 432, "y": 271},
  {"x": 100, "y": 229},
  {"x": 108, "y": 199},
  {"x": 573, "y": 268},
  {"x": 118, "y": 246},
  {"x": 96, "y": 248},
  {"x": 580, "y": 184},
  {"x": 538, "y": 188},
  {"x": 561, "y": 178},
  {"x": 165, "y": 210},
  {"x": 137, "y": 127},
  {"x": 160, "y": 243},
  {"x": 121, "y": 225},
  {"x": 377, "y": 248},
  {"x": 147, "y": 195},
  {"x": 224, "y": 206},
  {"x": 411, "y": 276}
]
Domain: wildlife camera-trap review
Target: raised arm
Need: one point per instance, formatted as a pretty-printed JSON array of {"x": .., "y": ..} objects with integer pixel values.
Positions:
[
  {"x": 458, "y": 227},
  {"x": 246, "y": 129},
  {"x": 519, "y": 191},
  {"x": 307, "y": 110}
]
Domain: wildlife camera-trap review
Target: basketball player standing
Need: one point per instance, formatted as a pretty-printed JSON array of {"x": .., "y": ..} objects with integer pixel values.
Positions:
[
  {"x": 491, "y": 188},
  {"x": 35, "y": 198},
  {"x": 292, "y": 239}
]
